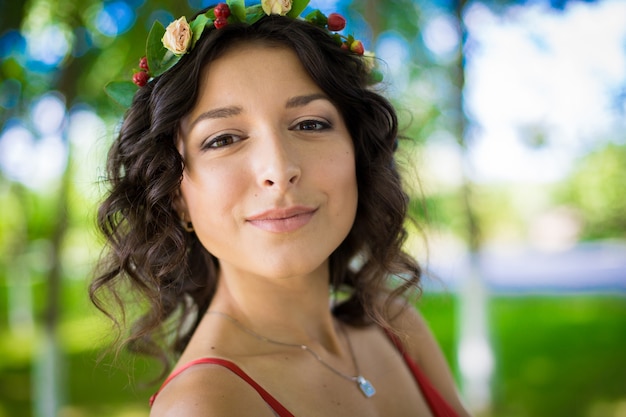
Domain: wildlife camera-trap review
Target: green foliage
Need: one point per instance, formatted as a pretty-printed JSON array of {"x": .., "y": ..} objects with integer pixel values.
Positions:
[
  {"x": 439, "y": 312},
  {"x": 318, "y": 18},
  {"x": 197, "y": 27},
  {"x": 402, "y": 16},
  {"x": 122, "y": 92},
  {"x": 597, "y": 189},
  {"x": 254, "y": 13},
  {"x": 238, "y": 9},
  {"x": 442, "y": 210},
  {"x": 297, "y": 7},
  {"x": 159, "y": 58}
]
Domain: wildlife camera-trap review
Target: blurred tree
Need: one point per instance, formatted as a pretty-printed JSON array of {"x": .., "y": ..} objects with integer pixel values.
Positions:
[{"x": 596, "y": 190}]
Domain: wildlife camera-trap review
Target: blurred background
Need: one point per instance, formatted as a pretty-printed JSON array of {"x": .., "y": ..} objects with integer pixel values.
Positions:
[{"x": 515, "y": 112}]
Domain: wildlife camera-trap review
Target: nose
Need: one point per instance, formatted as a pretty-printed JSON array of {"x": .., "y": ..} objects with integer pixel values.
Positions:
[{"x": 278, "y": 162}]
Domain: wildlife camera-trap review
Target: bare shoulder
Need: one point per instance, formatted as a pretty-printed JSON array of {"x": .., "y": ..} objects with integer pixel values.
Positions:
[
  {"x": 412, "y": 328},
  {"x": 209, "y": 390},
  {"x": 422, "y": 346}
]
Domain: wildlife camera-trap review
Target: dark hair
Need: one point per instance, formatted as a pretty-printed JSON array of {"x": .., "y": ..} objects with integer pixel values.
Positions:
[{"x": 148, "y": 247}]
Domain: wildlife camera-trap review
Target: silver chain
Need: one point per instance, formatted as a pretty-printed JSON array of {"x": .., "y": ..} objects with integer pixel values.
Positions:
[{"x": 303, "y": 347}]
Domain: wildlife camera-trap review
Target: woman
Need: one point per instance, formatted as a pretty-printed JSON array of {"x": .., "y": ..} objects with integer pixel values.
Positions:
[{"x": 251, "y": 179}]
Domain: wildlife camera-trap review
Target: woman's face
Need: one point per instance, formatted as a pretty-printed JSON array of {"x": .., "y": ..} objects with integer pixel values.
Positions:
[{"x": 269, "y": 180}]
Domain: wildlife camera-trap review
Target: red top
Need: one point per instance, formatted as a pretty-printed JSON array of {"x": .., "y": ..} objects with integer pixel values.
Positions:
[{"x": 438, "y": 406}]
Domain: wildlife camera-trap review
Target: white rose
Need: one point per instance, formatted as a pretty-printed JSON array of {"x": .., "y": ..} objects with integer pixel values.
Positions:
[
  {"x": 280, "y": 7},
  {"x": 177, "y": 36}
]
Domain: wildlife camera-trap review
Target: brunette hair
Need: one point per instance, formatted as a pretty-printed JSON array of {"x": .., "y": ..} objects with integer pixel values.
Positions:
[{"x": 150, "y": 253}]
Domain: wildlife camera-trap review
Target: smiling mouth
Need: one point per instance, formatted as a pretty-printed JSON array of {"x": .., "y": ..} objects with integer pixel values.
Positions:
[{"x": 282, "y": 220}]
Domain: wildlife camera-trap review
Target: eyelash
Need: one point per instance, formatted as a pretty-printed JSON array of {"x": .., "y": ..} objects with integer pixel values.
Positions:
[
  {"x": 322, "y": 125},
  {"x": 229, "y": 138},
  {"x": 212, "y": 144}
]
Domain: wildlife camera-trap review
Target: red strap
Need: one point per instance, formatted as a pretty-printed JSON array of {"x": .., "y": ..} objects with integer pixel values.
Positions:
[
  {"x": 269, "y": 399},
  {"x": 437, "y": 404}
]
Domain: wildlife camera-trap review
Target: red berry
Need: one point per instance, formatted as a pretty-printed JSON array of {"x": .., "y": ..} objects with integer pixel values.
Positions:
[
  {"x": 141, "y": 78},
  {"x": 336, "y": 22},
  {"x": 221, "y": 10},
  {"x": 220, "y": 22},
  {"x": 143, "y": 64},
  {"x": 357, "y": 47}
]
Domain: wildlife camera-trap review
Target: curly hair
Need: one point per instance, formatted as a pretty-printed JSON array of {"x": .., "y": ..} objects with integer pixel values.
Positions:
[{"x": 149, "y": 251}]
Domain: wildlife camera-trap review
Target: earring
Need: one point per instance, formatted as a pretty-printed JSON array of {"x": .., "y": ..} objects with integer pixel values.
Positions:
[{"x": 188, "y": 226}]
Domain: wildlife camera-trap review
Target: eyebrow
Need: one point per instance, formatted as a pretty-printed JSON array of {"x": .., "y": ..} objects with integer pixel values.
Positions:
[
  {"x": 300, "y": 101},
  {"x": 219, "y": 113},
  {"x": 223, "y": 112}
]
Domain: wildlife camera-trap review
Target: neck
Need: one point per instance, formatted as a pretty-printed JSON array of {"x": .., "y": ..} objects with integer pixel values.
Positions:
[{"x": 291, "y": 309}]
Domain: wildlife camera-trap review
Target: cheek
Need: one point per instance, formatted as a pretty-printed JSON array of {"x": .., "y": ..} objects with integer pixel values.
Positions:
[
  {"x": 345, "y": 166},
  {"x": 351, "y": 187},
  {"x": 340, "y": 175},
  {"x": 210, "y": 194}
]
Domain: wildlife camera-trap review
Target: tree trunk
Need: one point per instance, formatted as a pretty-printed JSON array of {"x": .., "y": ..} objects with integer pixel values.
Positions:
[{"x": 474, "y": 352}]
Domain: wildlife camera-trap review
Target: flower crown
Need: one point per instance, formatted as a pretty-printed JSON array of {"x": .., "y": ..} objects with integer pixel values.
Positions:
[{"x": 166, "y": 46}]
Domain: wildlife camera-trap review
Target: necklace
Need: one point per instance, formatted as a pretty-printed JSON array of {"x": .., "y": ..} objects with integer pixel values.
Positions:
[{"x": 363, "y": 384}]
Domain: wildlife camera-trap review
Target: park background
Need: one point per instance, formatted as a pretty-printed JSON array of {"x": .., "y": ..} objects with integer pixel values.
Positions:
[{"x": 515, "y": 110}]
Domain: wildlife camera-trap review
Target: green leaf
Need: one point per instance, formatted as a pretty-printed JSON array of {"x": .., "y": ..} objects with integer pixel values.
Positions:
[
  {"x": 154, "y": 47},
  {"x": 160, "y": 59},
  {"x": 169, "y": 60},
  {"x": 254, "y": 13},
  {"x": 317, "y": 18},
  {"x": 337, "y": 38},
  {"x": 375, "y": 76},
  {"x": 297, "y": 6},
  {"x": 197, "y": 27},
  {"x": 237, "y": 9},
  {"x": 122, "y": 92}
]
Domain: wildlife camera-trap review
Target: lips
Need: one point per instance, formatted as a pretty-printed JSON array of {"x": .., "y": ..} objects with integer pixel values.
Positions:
[{"x": 282, "y": 220}]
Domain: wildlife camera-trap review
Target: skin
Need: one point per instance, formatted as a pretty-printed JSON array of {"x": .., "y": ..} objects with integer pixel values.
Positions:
[{"x": 270, "y": 187}]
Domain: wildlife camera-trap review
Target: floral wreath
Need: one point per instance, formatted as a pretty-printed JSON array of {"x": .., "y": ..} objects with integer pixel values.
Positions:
[{"x": 166, "y": 46}]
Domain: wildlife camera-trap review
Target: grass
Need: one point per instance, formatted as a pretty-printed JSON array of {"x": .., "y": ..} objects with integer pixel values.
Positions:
[
  {"x": 559, "y": 356},
  {"x": 555, "y": 356}
]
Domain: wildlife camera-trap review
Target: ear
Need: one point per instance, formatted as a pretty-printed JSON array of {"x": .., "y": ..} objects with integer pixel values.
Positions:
[{"x": 183, "y": 214}]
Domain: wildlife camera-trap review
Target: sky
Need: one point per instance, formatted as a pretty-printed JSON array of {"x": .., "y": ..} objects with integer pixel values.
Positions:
[{"x": 538, "y": 72}]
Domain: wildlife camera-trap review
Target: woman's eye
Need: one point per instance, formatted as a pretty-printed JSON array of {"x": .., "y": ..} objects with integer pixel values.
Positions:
[
  {"x": 222, "y": 140},
  {"x": 312, "y": 125}
]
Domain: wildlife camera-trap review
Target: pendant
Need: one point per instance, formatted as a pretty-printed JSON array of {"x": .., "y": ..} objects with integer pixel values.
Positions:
[{"x": 365, "y": 386}]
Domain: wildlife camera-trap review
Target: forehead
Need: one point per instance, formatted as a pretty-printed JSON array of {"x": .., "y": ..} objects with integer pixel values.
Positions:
[
  {"x": 247, "y": 72},
  {"x": 254, "y": 64},
  {"x": 251, "y": 77}
]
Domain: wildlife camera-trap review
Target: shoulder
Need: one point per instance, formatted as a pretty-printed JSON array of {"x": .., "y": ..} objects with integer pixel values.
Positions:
[
  {"x": 208, "y": 390},
  {"x": 411, "y": 328},
  {"x": 421, "y": 345}
]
